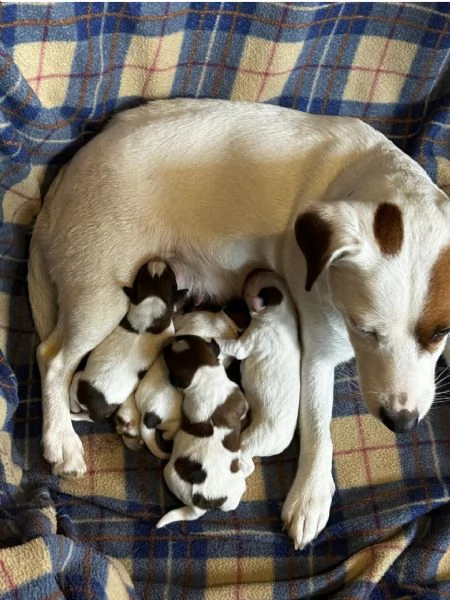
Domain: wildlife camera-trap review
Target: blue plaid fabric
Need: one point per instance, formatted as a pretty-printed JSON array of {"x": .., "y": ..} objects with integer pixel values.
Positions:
[{"x": 64, "y": 69}]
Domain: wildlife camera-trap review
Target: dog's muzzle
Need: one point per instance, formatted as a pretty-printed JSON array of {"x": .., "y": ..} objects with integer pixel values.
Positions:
[{"x": 401, "y": 421}]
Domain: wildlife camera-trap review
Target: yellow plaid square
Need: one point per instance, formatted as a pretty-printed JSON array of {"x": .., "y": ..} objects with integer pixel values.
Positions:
[
  {"x": 46, "y": 66},
  {"x": 365, "y": 452},
  {"x": 264, "y": 69},
  {"x": 150, "y": 66},
  {"x": 379, "y": 69}
]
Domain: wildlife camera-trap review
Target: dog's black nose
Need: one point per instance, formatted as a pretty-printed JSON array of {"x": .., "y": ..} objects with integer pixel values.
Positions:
[{"x": 400, "y": 422}]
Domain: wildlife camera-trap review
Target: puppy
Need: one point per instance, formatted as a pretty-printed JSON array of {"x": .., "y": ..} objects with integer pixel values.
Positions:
[
  {"x": 157, "y": 403},
  {"x": 205, "y": 471},
  {"x": 113, "y": 367},
  {"x": 270, "y": 367}
]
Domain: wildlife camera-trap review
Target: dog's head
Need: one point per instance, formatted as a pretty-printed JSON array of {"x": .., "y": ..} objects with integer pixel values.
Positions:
[
  {"x": 153, "y": 296},
  {"x": 264, "y": 292},
  {"x": 387, "y": 266},
  {"x": 185, "y": 354}
]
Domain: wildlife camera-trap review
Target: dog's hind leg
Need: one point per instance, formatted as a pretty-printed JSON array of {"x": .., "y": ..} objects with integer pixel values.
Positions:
[
  {"x": 86, "y": 320},
  {"x": 42, "y": 294}
]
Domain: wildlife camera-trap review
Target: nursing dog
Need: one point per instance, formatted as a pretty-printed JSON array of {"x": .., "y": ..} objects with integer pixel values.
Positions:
[
  {"x": 356, "y": 228},
  {"x": 204, "y": 471},
  {"x": 113, "y": 367},
  {"x": 270, "y": 367},
  {"x": 157, "y": 403}
]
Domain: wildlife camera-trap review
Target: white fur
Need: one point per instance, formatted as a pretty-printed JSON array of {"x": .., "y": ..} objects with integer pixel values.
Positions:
[
  {"x": 226, "y": 205},
  {"x": 207, "y": 324},
  {"x": 209, "y": 389},
  {"x": 156, "y": 394},
  {"x": 270, "y": 369},
  {"x": 113, "y": 366}
]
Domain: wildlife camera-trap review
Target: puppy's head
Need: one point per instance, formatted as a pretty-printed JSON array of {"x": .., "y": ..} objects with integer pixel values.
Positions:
[
  {"x": 264, "y": 292},
  {"x": 185, "y": 354},
  {"x": 385, "y": 266},
  {"x": 155, "y": 278},
  {"x": 204, "y": 474},
  {"x": 153, "y": 296}
]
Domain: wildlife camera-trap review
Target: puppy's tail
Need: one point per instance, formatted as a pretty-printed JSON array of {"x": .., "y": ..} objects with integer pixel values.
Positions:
[
  {"x": 185, "y": 513},
  {"x": 42, "y": 293},
  {"x": 149, "y": 436}
]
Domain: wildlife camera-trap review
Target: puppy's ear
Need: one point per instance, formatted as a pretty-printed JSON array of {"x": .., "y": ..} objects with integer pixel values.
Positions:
[
  {"x": 130, "y": 292},
  {"x": 325, "y": 235},
  {"x": 179, "y": 295},
  {"x": 215, "y": 347}
]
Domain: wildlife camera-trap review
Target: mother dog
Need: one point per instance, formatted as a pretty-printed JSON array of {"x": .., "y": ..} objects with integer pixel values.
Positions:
[{"x": 357, "y": 229}]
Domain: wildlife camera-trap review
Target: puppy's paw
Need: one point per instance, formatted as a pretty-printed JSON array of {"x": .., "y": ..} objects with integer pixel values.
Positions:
[
  {"x": 127, "y": 421},
  {"x": 63, "y": 449},
  {"x": 306, "y": 510}
]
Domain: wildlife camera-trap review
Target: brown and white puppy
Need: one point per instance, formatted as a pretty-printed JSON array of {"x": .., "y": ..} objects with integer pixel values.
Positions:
[
  {"x": 356, "y": 228},
  {"x": 112, "y": 370},
  {"x": 205, "y": 469},
  {"x": 157, "y": 403},
  {"x": 270, "y": 353}
]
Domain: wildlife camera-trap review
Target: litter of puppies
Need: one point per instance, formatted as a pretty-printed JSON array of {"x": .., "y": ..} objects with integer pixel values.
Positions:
[{"x": 165, "y": 370}]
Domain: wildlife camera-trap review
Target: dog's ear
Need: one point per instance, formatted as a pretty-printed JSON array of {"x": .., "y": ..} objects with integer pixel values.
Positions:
[
  {"x": 179, "y": 295},
  {"x": 215, "y": 347},
  {"x": 129, "y": 291},
  {"x": 323, "y": 240}
]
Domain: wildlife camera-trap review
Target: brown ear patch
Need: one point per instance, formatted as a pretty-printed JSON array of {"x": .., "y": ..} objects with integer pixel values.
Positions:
[
  {"x": 313, "y": 235},
  {"x": 190, "y": 470},
  {"x": 388, "y": 228},
  {"x": 231, "y": 412},
  {"x": 200, "y": 429},
  {"x": 271, "y": 296},
  {"x": 435, "y": 316},
  {"x": 231, "y": 415}
]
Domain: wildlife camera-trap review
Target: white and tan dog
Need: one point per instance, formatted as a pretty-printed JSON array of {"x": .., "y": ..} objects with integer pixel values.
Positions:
[
  {"x": 156, "y": 403},
  {"x": 270, "y": 353},
  {"x": 356, "y": 228},
  {"x": 205, "y": 470},
  {"x": 113, "y": 368}
]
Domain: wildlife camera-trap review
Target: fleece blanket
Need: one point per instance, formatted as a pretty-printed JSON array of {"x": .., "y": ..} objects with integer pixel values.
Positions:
[{"x": 64, "y": 68}]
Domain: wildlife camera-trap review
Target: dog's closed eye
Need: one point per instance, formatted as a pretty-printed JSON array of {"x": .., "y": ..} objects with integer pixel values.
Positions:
[{"x": 365, "y": 331}]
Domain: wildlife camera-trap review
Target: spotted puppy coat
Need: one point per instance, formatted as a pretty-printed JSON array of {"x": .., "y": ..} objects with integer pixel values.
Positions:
[
  {"x": 157, "y": 403},
  {"x": 204, "y": 471},
  {"x": 270, "y": 367},
  {"x": 113, "y": 368}
]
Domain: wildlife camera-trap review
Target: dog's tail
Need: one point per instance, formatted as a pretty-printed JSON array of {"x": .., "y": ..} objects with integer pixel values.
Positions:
[
  {"x": 185, "y": 513},
  {"x": 42, "y": 294},
  {"x": 149, "y": 436}
]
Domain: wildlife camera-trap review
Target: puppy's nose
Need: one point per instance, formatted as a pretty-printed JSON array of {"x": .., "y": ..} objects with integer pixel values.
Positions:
[{"x": 401, "y": 421}]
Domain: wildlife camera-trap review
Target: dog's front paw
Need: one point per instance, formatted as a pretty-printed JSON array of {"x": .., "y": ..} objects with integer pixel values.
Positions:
[
  {"x": 306, "y": 510},
  {"x": 63, "y": 449}
]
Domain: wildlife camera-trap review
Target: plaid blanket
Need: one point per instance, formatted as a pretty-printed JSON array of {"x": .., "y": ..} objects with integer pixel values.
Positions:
[{"x": 64, "y": 68}]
